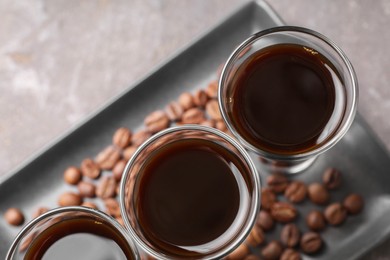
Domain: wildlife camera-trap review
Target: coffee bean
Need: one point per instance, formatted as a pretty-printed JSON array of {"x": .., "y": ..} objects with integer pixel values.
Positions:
[
  {"x": 174, "y": 111},
  {"x": 220, "y": 125},
  {"x": 139, "y": 137},
  {"x": 156, "y": 121},
  {"x": 335, "y": 214},
  {"x": 86, "y": 189},
  {"x": 252, "y": 257},
  {"x": 39, "y": 211},
  {"x": 69, "y": 199},
  {"x": 296, "y": 191},
  {"x": 128, "y": 152},
  {"x": 212, "y": 109},
  {"x": 239, "y": 253},
  {"x": 121, "y": 222},
  {"x": 200, "y": 98},
  {"x": 118, "y": 170},
  {"x": 311, "y": 242},
  {"x": 268, "y": 198},
  {"x": 193, "y": 116},
  {"x": 90, "y": 169},
  {"x": 331, "y": 178},
  {"x": 290, "y": 254},
  {"x": 290, "y": 235},
  {"x": 106, "y": 187},
  {"x": 89, "y": 204},
  {"x": 122, "y": 137},
  {"x": 315, "y": 220},
  {"x": 353, "y": 203},
  {"x": 318, "y": 194},
  {"x": 277, "y": 182},
  {"x": 209, "y": 123},
  {"x": 255, "y": 237},
  {"x": 283, "y": 212},
  {"x": 186, "y": 101},
  {"x": 72, "y": 175},
  {"x": 212, "y": 89},
  {"x": 272, "y": 250},
  {"x": 264, "y": 220},
  {"x": 107, "y": 158},
  {"x": 112, "y": 207},
  {"x": 14, "y": 216}
]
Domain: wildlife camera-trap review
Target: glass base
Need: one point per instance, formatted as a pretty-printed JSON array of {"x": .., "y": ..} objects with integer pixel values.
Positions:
[{"x": 287, "y": 167}]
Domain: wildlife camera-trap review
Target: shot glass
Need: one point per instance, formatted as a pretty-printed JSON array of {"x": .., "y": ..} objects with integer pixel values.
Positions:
[
  {"x": 189, "y": 192},
  {"x": 73, "y": 233},
  {"x": 288, "y": 94}
]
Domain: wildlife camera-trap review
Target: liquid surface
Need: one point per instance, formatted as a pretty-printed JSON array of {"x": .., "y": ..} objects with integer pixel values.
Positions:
[
  {"x": 283, "y": 97},
  {"x": 188, "y": 196},
  {"x": 79, "y": 238}
]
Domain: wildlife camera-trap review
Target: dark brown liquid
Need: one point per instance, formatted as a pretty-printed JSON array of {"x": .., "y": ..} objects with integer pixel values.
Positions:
[
  {"x": 188, "y": 196},
  {"x": 283, "y": 97},
  {"x": 79, "y": 238}
]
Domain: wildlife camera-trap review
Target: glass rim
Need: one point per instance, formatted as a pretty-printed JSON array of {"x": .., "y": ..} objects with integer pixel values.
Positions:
[
  {"x": 30, "y": 225},
  {"x": 253, "y": 173},
  {"x": 349, "y": 115}
]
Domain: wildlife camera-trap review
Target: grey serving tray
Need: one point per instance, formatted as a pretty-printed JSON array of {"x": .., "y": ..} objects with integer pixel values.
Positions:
[{"x": 360, "y": 156}]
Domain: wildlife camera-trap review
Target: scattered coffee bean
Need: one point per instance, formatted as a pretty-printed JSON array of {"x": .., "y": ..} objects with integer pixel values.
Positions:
[
  {"x": 212, "y": 109},
  {"x": 106, "y": 187},
  {"x": 252, "y": 257},
  {"x": 72, "y": 175},
  {"x": 311, "y": 242},
  {"x": 193, "y": 116},
  {"x": 239, "y": 253},
  {"x": 128, "y": 152},
  {"x": 69, "y": 199},
  {"x": 255, "y": 237},
  {"x": 112, "y": 207},
  {"x": 122, "y": 137},
  {"x": 209, "y": 123},
  {"x": 118, "y": 169},
  {"x": 39, "y": 211},
  {"x": 90, "y": 169},
  {"x": 120, "y": 220},
  {"x": 331, "y": 178},
  {"x": 14, "y": 216},
  {"x": 283, "y": 212},
  {"x": 89, "y": 204},
  {"x": 139, "y": 137},
  {"x": 335, "y": 214},
  {"x": 156, "y": 121},
  {"x": 353, "y": 203},
  {"x": 315, "y": 220},
  {"x": 86, "y": 189},
  {"x": 277, "y": 182},
  {"x": 318, "y": 194},
  {"x": 268, "y": 198},
  {"x": 264, "y": 220},
  {"x": 200, "y": 98},
  {"x": 272, "y": 250},
  {"x": 174, "y": 111},
  {"x": 290, "y": 235},
  {"x": 296, "y": 191},
  {"x": 212, "y": 89},
  {"x": 220, "y": 125},
  {"x": 186, "y": 101},
  {"x": 290, "y": 254},
  {"x": 107, "y": 158}
]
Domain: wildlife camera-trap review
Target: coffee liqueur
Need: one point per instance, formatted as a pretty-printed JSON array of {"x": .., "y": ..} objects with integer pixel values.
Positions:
[
  {"x": 79, "y": 238},
  {"x": 189, "y": 196},
  {"x": 283, "y": 97}
]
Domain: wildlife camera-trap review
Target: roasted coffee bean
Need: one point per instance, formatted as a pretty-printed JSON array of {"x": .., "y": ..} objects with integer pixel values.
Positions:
[
  {"x": 252, "y": 257},
  {"x": 89, "y": 204},
  {"x": 119, "y": 167},
  {"x": 272, "y": 250},
  {"x": 264, "y": 220},
  {"x": 39, "y": 211},
  {"x": 290, "y": 235},
  {"x": 315, "y": 220},
  {"x": 139, "y": 137},
  {"x": 296, "y": 191},
  {"x": 174, "y": 111},
  {"x": 331, "y": 178},
  {"x": 193, "y": 116},
  {"x": 120, "y": 220},
  {"x": 277, "y": 182},
  {"x": 107, "y": 158},
  {"x": 311, "y": 242},
  {"x": 220, "y": 125},
  {"x": 353, "y": 203},
  {"x": 122, "y": 137},
  {"x": 69, "y": 199},
  {"x": 335, "y": 214},
  {"x": 318, "y": 194},
  {"x": 255, "y": 237},
  {"x": 128, "y": 152},
  {"x": 156, "y": 121},
  {"x": 72, "y": 175},
  {"x": 112, "y": 207},
  {"x": 200, "y": 98},
  {"x": 283, "y": 212},
  {"x": 209, "y": 123},
  {"x": 106, "y": 187},
  {"x": 14, "y": 216},
  {"x": 239, "y": 253},
  {"x": 212, "y": 89},
  {"x": 268, "y": 198},
  {"x": 90, "y": 169},
  {"x": 212, "y": 110},
  {"x": 290, "y": 254},
  {"x": 186, "y": 101},
  {"x": 86, "y": 189}
]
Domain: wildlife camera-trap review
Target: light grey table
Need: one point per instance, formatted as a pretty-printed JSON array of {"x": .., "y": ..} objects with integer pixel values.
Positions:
[{"x": 61, "y": 60}]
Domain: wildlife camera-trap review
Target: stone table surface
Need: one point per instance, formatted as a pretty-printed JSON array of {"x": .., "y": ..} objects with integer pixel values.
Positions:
[{"x": 61, "y": 60}]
